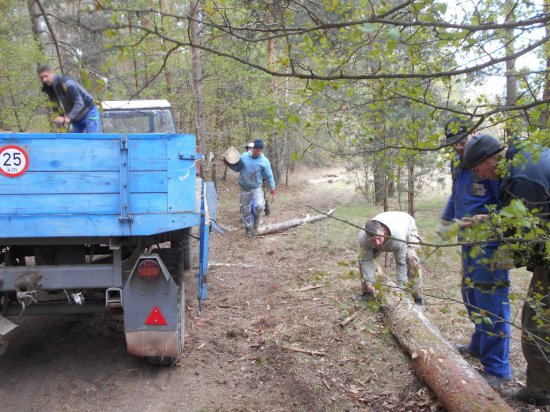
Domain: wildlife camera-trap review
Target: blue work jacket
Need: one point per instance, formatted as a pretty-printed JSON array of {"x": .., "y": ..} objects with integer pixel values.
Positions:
[
  {"x": 253, "y": 170},
  {"x": 470, "y": 194}
]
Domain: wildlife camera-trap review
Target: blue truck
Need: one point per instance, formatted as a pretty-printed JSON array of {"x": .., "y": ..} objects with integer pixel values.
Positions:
[{"x": 96, "y": 222}]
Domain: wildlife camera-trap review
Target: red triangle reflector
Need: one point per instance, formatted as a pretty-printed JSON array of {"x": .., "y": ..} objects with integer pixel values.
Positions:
[{"x": 155, "y": 317}]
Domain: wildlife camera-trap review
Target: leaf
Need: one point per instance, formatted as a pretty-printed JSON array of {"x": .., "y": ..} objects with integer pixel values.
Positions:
[
  {"x": 369, "y": 27},
  {"x": 394, "y": 34}
]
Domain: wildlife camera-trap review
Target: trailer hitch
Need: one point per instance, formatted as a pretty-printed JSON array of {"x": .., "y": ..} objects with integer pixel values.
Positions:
[{"x": 26, "y": 288}]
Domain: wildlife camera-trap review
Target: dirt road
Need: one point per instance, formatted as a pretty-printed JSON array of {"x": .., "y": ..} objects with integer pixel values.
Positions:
[{"x": 264, "y": 341}]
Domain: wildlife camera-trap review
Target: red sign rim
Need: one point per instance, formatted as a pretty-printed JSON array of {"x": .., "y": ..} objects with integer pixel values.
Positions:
[{"x": 25, "y": 155}]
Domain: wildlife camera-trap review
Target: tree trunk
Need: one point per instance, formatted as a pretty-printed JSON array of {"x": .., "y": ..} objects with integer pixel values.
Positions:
[
  {"x": 399, "y": 187},
  {"x": 410, "y": 187},
  {"x": 196, "y": 63},
  {"x": 545, "y": 116},
  {"x": 379, "y": 180},
  {"x": 37, "y": 12},
  {"x": 279, "y": 227},
  {"x": 167, "y": 73},
  {"x": 511, "y": 76},
  {"x": 40, "y": 36},
  {"x": 457, "y": 385},
  {"x": 214, "y": 175},
  {"x": 134, "y": 58}
]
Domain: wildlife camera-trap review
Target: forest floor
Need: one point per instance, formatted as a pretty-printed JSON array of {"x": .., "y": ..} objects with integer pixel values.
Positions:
[{"x": 271, "y": 299}]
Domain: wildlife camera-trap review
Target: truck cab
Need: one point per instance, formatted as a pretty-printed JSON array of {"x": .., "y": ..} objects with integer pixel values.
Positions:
[{"x": 137, "y": 116}]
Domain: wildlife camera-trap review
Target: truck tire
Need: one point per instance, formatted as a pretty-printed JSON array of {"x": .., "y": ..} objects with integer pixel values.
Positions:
[
  {"x": 182, "y": 241},
  {"x": 173, "y": 261}
]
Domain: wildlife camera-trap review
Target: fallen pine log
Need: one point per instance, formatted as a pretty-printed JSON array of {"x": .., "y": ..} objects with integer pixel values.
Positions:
[
  {"x": 457, "y": 385},
  {"x": 279, "y": 227}
]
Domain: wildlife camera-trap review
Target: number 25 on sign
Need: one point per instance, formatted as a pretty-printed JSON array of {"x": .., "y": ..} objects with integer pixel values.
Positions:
[{"x": 14, "y": 161}]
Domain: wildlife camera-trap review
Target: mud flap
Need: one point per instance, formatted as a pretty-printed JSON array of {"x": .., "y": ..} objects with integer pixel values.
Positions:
[
  {"x": 151, "y": 313},
  {"x": 6, "y": 326}
]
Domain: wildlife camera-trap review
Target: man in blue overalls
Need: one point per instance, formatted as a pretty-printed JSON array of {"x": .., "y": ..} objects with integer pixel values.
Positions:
[{"x": 484, "y": 290}]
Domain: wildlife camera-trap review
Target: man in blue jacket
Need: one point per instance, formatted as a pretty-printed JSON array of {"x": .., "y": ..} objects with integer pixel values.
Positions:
[
  {"x": 485, "y": 291},
  {"x": 72, "y": 103},
  {"x": 525, "y": 178},
  {"x": 253, "y": 167}
]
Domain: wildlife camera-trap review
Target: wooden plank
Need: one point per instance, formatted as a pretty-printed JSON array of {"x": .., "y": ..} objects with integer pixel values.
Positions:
[
  {"x": 46, "y": 155},
  {"x": 148, "y": 182},
  {"x": 80, "y": 204},
  {"x": 61, "y": 182},
  {"x": 82, "y": 182},
  {"x": 90, "y": 225},
  {"x": 181, "y": 173},
  {"x": 147, "y": 154}
]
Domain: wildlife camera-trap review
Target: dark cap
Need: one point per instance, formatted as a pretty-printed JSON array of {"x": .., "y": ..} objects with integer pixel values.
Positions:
[
  {"x": 258, "y": 144},
  {"x": 480, "y": 148},
  {"x": 456, "y": 129}
]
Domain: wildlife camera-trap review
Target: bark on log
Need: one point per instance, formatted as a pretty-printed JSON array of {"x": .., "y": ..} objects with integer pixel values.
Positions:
[
  {"x": 457, "y": 385},
  {"x": 279, "y": 227}
]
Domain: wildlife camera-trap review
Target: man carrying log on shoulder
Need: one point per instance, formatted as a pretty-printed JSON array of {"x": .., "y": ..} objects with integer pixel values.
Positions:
[
  {"x": 253, "y": 167},
  {"x": 484, "y": 290},
  {"x": 524, "y": 175},
  {"x": 391, "y": 232}
]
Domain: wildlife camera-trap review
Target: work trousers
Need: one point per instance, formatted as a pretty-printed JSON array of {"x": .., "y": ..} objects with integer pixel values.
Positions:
[
  {"x": 486, "y": 296},
  {"x": 414, "y": 269},
  {"x": 255, "y": 196},
  {"x": 535, "y": 339},
  {"x": 89, "y": 124}
]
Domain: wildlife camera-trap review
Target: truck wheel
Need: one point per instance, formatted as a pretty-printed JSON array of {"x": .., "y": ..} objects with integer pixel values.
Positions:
[
  {"x": 173, "y": 261},
  {"x": 183, "y": 242}
]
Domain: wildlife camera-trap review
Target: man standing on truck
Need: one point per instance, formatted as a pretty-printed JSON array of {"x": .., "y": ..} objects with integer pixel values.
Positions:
[
  {"x": 72, "y": 103},
  {"x": 253, "y": 167}
]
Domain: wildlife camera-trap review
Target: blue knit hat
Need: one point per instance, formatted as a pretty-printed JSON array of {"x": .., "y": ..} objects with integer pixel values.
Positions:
[{"x": 258, "y": 144}]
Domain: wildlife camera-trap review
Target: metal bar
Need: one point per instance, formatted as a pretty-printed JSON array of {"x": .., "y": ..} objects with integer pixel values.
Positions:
[
  {"x": 125, "y": 215},
  {"x": 58, "y": 307},
  {"x": 61, "y": 277},
  {"x": 204, "y": 231},
  {"x": 117, "y": 267}
]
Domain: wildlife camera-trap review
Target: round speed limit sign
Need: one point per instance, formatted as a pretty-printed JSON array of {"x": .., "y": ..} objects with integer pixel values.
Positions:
[{"x": 14, "y": 161}]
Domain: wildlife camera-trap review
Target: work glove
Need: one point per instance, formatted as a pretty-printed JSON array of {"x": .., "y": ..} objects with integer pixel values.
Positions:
[{"x": 273, "y": 192}]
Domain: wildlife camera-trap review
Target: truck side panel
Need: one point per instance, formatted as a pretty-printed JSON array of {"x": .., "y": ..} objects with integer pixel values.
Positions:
[
  {"x": 99, "y": 185},
  {"x": 37, "y": 183}
]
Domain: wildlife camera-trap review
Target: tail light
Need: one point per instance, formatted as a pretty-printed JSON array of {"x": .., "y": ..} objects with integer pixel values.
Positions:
[{"x": 148, "y": 269}]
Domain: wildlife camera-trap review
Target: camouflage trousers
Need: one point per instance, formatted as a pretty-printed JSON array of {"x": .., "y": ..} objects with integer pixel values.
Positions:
[{"x": 247, "y": 196}]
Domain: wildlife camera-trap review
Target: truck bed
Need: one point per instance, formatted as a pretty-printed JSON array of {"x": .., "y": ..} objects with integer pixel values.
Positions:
[{"x": 99, "y": 185}]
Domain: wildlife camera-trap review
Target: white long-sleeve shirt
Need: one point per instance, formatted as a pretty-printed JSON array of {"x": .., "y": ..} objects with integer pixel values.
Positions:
[{"x": 401, "y": 225}]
